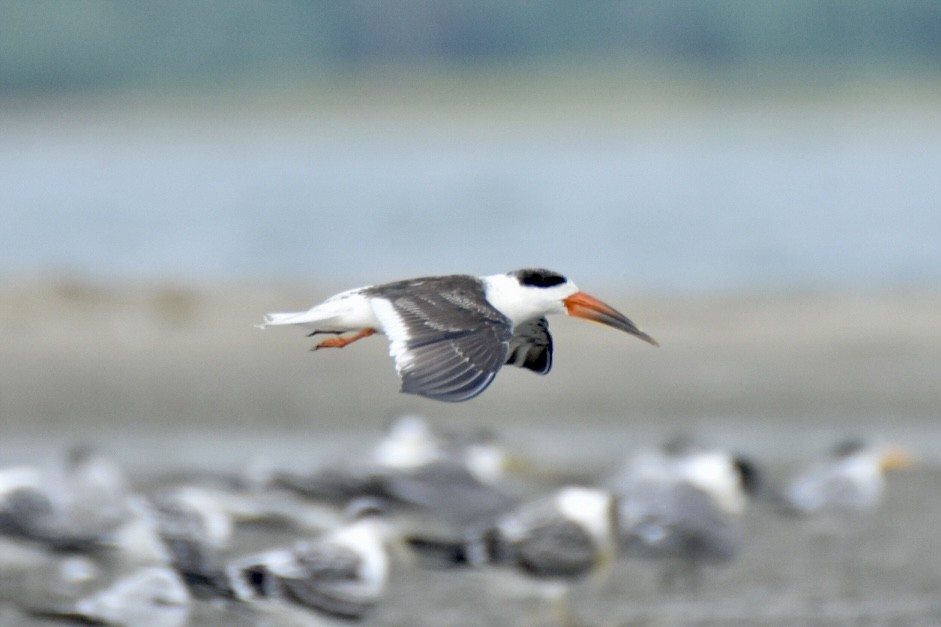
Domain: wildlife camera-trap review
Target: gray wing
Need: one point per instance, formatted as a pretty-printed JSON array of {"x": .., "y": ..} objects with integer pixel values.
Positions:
[
  {"x": 556, "y": 548},
  {"x": 826, "y": 487},
  {"x": 448, "y": 343},
  {"x": 327, "y": 561},
  {"x": 331, "y": 573},
  {"x": 340, "y": 483},
  {"x": 183, "y": 532},
  {"x": 25, "y": 512},
  {"x": 447, "y": 490},
  {"x": 531, "y": 347},
  {"x": 545, "y": 543},
  {"x": 685, "y": 522}
]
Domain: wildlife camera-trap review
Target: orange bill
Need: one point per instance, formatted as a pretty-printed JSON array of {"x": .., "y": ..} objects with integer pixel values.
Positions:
[
  {"x": 896, "y": 458},
  {"x": 582, "y": 305}
]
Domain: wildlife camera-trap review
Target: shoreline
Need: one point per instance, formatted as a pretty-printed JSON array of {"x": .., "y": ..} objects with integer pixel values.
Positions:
[{"x": 134, "y": 364}]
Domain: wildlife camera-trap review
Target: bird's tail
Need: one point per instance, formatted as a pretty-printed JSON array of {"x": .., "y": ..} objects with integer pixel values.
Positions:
[
  {"x": 476, "y": 549},
  {"x": 294, "y": 317},
  {"x": 438, "y": 552}
]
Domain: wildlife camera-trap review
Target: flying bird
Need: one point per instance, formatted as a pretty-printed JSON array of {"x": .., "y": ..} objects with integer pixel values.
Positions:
[{"x": 450, "y": 335}]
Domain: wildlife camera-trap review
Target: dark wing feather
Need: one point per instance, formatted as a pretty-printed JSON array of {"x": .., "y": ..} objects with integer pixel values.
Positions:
[
  {"x": 531, "y": 346},
  {"x": 330, "y": 580},
  {"x": 552, "y": 544},
  {"x": 449, "y": 491},
  {"x": 323, "y": 560},
  {"x": 685, "y": 522},
  {"x": 558, "y": 548},
  {"x": 448, "y": 342}
]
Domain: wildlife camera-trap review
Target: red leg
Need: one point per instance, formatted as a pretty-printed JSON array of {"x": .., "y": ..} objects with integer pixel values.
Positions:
[{"x": 342, "y": 340}]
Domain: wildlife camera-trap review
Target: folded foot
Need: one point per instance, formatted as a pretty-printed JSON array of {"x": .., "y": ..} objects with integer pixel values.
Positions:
[{"x": 342, "y": 340}]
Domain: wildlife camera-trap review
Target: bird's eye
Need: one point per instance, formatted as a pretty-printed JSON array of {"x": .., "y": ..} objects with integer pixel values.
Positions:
[{"x": 539, "y": 277}]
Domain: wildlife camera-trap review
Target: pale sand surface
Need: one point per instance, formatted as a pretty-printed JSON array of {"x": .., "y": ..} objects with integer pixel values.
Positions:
[
  {"x": 167, "y": 377},
  {"x": 135, "y": 364}
]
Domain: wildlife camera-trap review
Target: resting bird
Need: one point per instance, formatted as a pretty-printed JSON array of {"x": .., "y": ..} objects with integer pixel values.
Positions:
[
  {"x": 449, "y": 478},
  {"x": 450, "y": 335},
  {"x": 849, "y": 480},
  {"x": 195, "y": 528},
  {"x": 546, "y": 544},
  {"x": 152, "y": 595},
  {"x": 682, "y": 503},
  {"x": 78, "y": 502},
  {"x": 834, "y": 497},
  {"x": 342, "y": 573}
]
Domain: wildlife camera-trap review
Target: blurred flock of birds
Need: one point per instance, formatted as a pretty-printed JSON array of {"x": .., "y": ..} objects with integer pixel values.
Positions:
[{"x": 79, "y": 542}]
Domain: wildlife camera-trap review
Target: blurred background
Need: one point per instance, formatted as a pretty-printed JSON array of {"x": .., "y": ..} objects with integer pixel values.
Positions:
[
  {"x": 755, "y": 184},
  {"x": 661, "y": 146}
]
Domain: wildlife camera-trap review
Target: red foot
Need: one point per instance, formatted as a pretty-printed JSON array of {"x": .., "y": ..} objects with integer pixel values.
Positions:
[{"x": 342, "y": 340}]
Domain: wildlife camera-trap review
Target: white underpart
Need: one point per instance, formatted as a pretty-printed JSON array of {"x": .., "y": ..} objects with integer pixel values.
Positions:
[
  {"x": 366, "y": 538},
  {"x": 512, "y": 528},
  {"x": 138, "y": 539},
  {"x": 644, "y": 478},
  {"x": 346, "y": 311},
  {"x": 410, "y": 443},
  {"x": 521, "y": 303},
  {"x": 713, "y": 473},
  {"x": 19, "y": 477},
  {"x": 76, "y": 570},
  {"x": 218, "y": 523},
  {"x": 153, "y": 595},
  {"x": 825, "y": 484},
  {"x": 590, "y": 508},
  {"x": 487, "y": 462}
]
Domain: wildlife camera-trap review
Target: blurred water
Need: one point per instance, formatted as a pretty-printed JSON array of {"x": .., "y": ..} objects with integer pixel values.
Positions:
[{"x": 736, "y": 199}]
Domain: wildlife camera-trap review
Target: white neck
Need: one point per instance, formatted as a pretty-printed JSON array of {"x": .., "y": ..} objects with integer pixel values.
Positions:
[{"x": 522, "y": 303}]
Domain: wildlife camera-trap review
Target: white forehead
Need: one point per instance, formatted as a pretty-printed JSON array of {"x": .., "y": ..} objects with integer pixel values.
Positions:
[{"x": 525, "y": 302}]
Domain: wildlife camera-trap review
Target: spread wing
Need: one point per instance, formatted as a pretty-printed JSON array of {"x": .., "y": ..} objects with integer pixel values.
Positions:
[
  {"x": 531, "y": 346},
  {"x": 447, "y": 341}
]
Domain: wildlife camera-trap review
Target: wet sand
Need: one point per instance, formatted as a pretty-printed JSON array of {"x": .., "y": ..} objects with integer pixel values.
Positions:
[{"x": 168, "y": 377}]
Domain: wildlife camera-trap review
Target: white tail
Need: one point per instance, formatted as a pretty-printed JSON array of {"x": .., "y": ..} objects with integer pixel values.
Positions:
[
  {"x": 347, "y": 311},
  {"x": 294, "y": 317}
]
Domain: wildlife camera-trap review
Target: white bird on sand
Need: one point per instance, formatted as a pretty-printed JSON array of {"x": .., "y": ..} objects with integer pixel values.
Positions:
[
  {"x": 834, "y": 496},
  {"x": 849, "y": 480},
  {"x": 75, "y": 503},
  {"x": 152, "y": 595},
  {"x": 342, "y": 573},
  {"x": 682, "y": 503},
  {"x": 545, "y": 545},
  {"x": 195, "y": 528},
  {"x": 450, "y": 335},
  {"x": 450, "y": 478}
]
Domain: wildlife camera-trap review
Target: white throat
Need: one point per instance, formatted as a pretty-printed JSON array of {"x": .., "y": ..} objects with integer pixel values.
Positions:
[{"x": 522, "y": 303}]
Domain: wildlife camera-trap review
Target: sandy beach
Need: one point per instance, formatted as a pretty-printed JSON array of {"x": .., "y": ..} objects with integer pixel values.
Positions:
[{"x": 169, "y": 377}]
